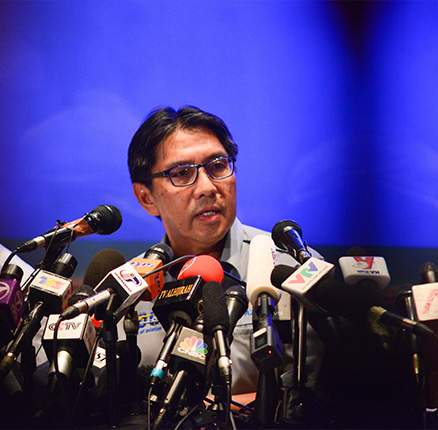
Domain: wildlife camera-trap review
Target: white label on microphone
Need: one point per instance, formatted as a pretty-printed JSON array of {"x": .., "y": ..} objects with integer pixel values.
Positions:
[
  {"x": 51, "y": 288},
  {"x": 98, "y": 369},
  {"x": 426, "y": 301},
  {"x": 300, "y": 283},
  {"x": 78, "y": 328},
  {"x": 354, "y": 269}
]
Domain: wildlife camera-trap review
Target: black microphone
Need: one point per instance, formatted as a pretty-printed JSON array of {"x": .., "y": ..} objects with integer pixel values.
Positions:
[
  {"x": 178, "y": 305},
  {"x": 237, "y": 304},
  {"x": 405, "y": 302},
  {"x": 103, "y": 262},
  {"x": 160, "y": 251},
  {"x": 428, "y": 273},
  {"x": 289, "y": 236},
  {"x": 349, "y": 302},
  {"x": 64, "y": 265},
  {"x": 189, "y": 360},
  {"x": 105, "y": 219},
  {"x": 217, "y": 325}
]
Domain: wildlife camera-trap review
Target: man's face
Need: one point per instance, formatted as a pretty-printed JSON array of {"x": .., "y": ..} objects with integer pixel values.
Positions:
[{"x": 198, "y": 216}]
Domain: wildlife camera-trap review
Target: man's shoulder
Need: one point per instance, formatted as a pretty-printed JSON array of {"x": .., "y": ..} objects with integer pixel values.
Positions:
[{"x": 249, "y": 232}]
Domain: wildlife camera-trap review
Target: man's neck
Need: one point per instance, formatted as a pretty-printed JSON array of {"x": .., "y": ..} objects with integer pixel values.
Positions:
[{"x": 214, "y": 251}]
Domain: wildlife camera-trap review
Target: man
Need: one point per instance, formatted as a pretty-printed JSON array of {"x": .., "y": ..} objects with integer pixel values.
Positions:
[{"x": 182, "y": 166}]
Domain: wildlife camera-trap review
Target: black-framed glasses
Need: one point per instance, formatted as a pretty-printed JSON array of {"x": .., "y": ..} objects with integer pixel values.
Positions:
[{"x": 187, "y": 174}]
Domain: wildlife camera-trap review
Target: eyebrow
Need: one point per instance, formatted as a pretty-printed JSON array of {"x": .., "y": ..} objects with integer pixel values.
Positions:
[{"x": 184, "y": 163}]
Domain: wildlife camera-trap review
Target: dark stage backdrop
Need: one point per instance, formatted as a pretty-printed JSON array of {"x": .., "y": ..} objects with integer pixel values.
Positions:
[{"x": 334, "y": 106}]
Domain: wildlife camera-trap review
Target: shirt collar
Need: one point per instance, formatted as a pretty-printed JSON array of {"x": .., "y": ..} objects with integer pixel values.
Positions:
[{"x": 232, "y": 248}]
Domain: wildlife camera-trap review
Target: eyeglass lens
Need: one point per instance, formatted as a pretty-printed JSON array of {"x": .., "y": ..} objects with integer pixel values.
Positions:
[{"x": 186, "y": 175}]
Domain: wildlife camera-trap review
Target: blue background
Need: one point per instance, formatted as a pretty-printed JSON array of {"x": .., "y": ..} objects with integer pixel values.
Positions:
[{"x": 334, "y": 106}]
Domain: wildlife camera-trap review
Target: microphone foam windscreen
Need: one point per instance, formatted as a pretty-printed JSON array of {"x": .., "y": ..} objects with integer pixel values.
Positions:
[
  {"x": 203, "y": 265},
  {"x": 105, "y": 219},
  {"x": 261, "y": 262},
  {"x": 101, "y": 264},
  {"x": 280, "y": 274},
  {"x": 215, "y": 308}
]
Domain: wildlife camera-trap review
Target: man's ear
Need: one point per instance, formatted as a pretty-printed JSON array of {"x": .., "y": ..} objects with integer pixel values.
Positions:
[{"x": 145, "y": 198}]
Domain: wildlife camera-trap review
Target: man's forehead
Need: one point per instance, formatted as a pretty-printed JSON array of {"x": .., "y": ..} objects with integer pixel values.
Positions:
[{"x": 186, "y": 145}]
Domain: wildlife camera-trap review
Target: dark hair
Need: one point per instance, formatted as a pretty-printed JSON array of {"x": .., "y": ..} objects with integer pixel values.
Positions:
[{"x": 160, "y": 124}]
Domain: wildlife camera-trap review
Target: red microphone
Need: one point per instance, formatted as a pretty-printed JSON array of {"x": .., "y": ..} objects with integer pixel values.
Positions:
[{"x": 205, "y": 266}]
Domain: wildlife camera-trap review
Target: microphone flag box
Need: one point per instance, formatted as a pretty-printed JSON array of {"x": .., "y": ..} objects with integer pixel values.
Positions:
[
  {"x": 181, "y": 296},
  {"x": 193, "y": 347},
  {"x": 53, "y": 290},
  {"x": 126, "y": 282},
  {"x": 302, "y": 281},
  {"x": 426, "y": 301},
  {"x": 11, "y": 303},
  {"x": 155, "y": 282},
  {"x": 77, "y": 333},
  {"x": 355, "y": 269},
  {"x": 98, "y": 369}
]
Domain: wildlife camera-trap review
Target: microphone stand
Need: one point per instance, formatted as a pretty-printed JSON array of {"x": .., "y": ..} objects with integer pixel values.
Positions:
[
  {"x": 266, "y": 355},
  {"x": 299, "y": 406},
  {"x": 131, "y": 327},
  {"x": 299, "y": 376},
  {"x": 110, "y": 339}
]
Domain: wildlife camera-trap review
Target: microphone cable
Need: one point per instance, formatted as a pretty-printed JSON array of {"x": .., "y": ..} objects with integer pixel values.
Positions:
[{"x": 99, "y": 334}]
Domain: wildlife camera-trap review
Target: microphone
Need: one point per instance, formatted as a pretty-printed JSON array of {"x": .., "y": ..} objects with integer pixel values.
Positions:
[
  {"x": 237, "y": 304},
  {"x": 428, "y": 273},
  {"x": 75, "y": 341},
  {"x": 351, "y": 303},
  {"x": 11, "y": 301},
  {"x": 425, "y": 295},
  {"x": 100, "y": 265},
  {"x": 302, "y": 281},
  {"x": 64, "y": 265},
  {"x": 189, "y": 360},
  {"x": 266, "y": 346},
  {"x": 217, "y": 325},
  {"x": 203, "y": 265},
  {"x": 423, "y": 299},
  {"x": 48, "y": 293},
  {"x": 124, "y": 282},
  {"x": 158, "y": 255},
  {"x": 288, "y": 235},
  {"x": 105, "y": 219},
  {"x": 181, "y": 298},
  {"x": 406, "y": 302},
  {"x": 355, "y": 269},
  {"x": 178, "y": 304}
]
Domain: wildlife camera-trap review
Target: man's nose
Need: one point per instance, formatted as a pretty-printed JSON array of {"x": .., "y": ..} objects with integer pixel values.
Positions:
[{"x": 205, "y": 185}]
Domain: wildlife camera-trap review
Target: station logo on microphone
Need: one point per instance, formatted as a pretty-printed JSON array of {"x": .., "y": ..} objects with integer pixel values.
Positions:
[{"x": 194, "y": 347}]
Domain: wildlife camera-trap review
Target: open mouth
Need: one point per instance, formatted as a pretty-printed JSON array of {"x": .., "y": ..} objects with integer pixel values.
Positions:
[{"x": 207, "y": 213}]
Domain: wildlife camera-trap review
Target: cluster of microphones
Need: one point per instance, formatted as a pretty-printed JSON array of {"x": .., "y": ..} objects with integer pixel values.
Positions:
[{"x": 190, "y": 382}]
